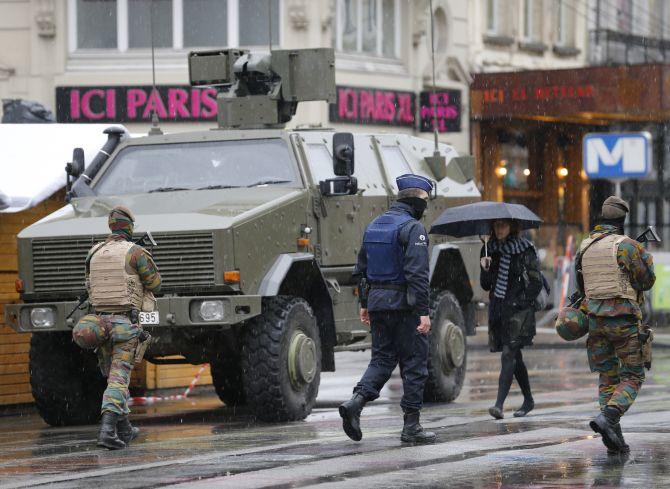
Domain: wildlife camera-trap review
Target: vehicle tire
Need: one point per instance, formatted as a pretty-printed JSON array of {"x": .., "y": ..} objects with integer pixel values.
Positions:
[
  {"x": 66, "y": 382},
  {"x": 447, "y": 355},
  {"x": 281, "y": 360},
  {"x": 227, "y": 379}
]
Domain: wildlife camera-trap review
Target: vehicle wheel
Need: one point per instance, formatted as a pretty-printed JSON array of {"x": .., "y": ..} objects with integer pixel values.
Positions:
[
  {"x": 281, "y": 360},
  {"x": 447, "y": 356},
  {"x": 66, "y": 382},
  {"x": 227, "y": 379}
]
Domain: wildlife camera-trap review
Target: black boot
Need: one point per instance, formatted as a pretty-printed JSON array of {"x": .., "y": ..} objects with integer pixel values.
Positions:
[
  {"x": 125, "y": 430},
  {"x": 606, "y": 424},
  {"x": 624, "y": 448},
  {"x": 413, "y": 432},
  {"x": 496, "y": 412},
  {"x": 107, "y": 437},
  {"x": 350, "y": 412},
  {"x": 526, "y": 407}
]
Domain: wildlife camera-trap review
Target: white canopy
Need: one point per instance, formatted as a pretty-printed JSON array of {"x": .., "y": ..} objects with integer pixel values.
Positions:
[{"x": 33, "y": 158}]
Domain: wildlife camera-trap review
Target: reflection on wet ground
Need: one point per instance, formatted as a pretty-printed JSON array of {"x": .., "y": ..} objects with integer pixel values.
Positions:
[{"x": 200, "y": 443}]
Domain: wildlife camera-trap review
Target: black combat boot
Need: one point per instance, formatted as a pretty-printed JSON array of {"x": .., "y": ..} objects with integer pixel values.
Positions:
[
  {"x": 350, "y": 412},
  {"x": 413, "y": 432},
  {"x": 624, "y": 448},
  {"x": 125, "y": 430},
  {"x": 107, "y": 437},
  {"x": 606, "y": 424}
]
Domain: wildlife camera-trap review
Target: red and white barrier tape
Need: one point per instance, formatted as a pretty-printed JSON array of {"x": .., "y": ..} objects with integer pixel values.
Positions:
[{"x": 148, "y": 400}]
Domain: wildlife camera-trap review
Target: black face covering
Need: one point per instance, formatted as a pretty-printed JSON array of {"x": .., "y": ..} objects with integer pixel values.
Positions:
[{"x": 418, "y": 206}]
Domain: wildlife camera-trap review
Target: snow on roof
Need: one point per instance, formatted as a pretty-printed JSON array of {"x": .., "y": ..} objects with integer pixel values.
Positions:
[{"x": 33, "y": 158}]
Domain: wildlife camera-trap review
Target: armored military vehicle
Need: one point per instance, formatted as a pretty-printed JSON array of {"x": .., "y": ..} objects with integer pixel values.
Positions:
[{"x": 257, "y": 232}]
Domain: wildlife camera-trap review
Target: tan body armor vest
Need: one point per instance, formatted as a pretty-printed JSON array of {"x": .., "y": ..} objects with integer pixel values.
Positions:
[
  {"x": 603, "y": 278},
  {"x": 112, "y": 286}
]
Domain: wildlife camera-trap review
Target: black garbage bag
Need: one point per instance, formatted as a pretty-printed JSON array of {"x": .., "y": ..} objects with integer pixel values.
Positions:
[{"x": 19, "y": 111}]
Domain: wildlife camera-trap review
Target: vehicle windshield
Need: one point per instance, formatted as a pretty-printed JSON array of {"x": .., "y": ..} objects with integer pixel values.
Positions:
[{"x": 199, "y": 166}]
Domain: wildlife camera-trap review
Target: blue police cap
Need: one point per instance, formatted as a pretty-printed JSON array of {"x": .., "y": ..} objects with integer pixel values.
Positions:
[{"x": 409, "y": 180}]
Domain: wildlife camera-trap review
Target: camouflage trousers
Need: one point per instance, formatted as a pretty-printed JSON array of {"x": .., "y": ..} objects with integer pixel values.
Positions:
[
  {"x": 116, "y": 359},
  {"x": 614, "y": 351}
]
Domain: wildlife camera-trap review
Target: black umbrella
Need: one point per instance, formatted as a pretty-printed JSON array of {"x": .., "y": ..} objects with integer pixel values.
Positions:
[{"x": 476, "y": 219}]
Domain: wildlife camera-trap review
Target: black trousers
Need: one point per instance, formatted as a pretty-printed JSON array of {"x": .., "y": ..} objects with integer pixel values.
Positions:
[
  {"x": 512, "y": 366},
  {"x": 395, "y": 341}
]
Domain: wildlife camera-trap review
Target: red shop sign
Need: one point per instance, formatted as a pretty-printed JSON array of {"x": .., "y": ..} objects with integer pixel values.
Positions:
[
  {"x": 135, "y": 103},
  {"x": 356, "y": 105}
]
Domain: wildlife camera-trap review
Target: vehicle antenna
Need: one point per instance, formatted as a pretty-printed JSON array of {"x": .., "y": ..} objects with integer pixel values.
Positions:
[
  {"x": 155, "y": 130},
  {"x": 437, "y": 162},
  {"x": 432, "y": 51},
  {"x": 270, "y": 23}
]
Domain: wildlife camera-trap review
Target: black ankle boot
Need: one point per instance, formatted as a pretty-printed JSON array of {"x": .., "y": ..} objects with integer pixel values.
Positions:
[
  {"x": 108, "y": 437},
  {"x": 350, "y": 412},
  {"x": 607, "y": 424},
  {"x": 527, "y": 406},
  {"x": 624, "y": 448},
  {"x": 413, "y": 432},
  {"x": 125, "y": 431},
  {"x": 496, "y": 412}
]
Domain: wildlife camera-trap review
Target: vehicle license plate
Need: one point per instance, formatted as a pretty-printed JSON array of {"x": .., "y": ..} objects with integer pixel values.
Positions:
[{"x": 149, "y": 318}]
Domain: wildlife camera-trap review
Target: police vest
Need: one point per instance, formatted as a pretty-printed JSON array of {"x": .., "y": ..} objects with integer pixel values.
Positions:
[
  {"x": 112, "y": 285},
  {"x": 385, "y": 253},
  {"x": 603, "y": 278}
]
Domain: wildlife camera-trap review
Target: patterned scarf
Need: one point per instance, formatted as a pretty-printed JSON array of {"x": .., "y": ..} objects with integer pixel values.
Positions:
[
  {"x": 121, "y": 225},
  {"x": 511, "y": 246}
]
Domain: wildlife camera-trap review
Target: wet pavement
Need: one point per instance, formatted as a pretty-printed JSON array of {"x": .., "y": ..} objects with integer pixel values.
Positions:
[{"x": 199, "y": 443}]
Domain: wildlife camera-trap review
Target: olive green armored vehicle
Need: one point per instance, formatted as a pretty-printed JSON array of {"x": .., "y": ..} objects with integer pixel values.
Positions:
[{"x": 257, "y": 231}]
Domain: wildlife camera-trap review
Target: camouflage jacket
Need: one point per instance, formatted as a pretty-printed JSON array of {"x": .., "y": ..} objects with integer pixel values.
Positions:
[
  {"x": 633, "y": 258},
  {"x": 139, "y": 260}
]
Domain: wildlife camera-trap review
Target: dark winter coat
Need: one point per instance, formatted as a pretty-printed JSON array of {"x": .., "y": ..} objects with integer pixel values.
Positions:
[{"x": 512, "y": 319}]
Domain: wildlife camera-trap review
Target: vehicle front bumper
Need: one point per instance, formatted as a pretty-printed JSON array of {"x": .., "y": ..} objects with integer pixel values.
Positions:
[{"x": 173, "y": 312}]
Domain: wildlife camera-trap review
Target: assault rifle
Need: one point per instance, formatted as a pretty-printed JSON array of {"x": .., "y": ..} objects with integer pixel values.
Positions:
[
  {"x": 147, "y": 240},
  {"x": 648, "y": 236}
]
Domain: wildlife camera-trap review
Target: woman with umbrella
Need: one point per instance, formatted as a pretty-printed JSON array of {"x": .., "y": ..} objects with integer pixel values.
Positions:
[
  {"x": 510, "y": 272},
  {"x": 511, "y": 275}
]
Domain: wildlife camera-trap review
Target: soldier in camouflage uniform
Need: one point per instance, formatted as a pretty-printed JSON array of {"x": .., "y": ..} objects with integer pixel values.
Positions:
[
  {"x": 615, "y": 270},
  {"x": 121, "y": 278}
]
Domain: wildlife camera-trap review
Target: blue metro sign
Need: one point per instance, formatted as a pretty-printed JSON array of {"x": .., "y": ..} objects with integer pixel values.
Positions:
[{"x": 617, "y": 155}]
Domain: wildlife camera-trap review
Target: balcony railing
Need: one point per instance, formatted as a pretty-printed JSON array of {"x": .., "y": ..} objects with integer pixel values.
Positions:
[{"x": 609, "y": 47}]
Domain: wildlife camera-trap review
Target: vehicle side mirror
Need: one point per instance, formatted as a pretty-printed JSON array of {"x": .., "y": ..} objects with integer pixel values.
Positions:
[
  {"x": 343, "y": 154},
  {"x": 75, "y": 168}
]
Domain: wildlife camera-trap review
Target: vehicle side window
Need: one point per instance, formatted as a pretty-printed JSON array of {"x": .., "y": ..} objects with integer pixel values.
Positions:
[
  {"x": 395, "y": 163},
  {"x": 320, "y": 162}
]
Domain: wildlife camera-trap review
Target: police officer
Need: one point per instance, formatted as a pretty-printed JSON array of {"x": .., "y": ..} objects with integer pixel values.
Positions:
[
  {"x": 615, "y": 270},
  {"x": 120, "y": 277},
  {"x": 394, "y": 292}
]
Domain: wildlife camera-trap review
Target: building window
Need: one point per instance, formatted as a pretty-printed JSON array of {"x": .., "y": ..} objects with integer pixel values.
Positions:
[
  {"x": 126, "y": 24},
  {"x": 492, "y": 17},
  {"x": 369, "y": 27},
  {"x": 624, "y": 16},
  {"x": 532, "y": 20},
  {"x": 565, "y": 23}
]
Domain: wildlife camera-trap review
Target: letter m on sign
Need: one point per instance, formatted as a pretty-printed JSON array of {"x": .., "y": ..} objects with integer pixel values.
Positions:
[{"x": 617, "y": 155}]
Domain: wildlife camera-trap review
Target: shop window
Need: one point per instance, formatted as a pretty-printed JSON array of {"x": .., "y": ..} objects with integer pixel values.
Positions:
[
  {"x": 565, "y": 23},
  {"x": 514, "y": 167},
  {"x": 126, "y": 24},
  {"x": 532, "y": 20},
  {"x": 368, "y": 27}
]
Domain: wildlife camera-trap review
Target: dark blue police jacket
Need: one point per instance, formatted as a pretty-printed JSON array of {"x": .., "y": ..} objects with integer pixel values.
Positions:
[{"x": 414, "y": 275}]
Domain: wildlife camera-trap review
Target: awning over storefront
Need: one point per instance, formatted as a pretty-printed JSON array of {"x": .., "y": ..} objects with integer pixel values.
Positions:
[{"x": 592, "y": 96}]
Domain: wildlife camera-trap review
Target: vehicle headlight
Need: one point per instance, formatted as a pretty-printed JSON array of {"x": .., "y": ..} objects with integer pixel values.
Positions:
[
  {"x": 42, "y": 317},
  {"x": 211, "y": 310}
]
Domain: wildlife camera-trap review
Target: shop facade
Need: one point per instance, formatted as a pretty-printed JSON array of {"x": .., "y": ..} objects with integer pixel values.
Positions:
[
  {"x": 527, "y": 131},
  {"x": 90, "y": 60}
]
